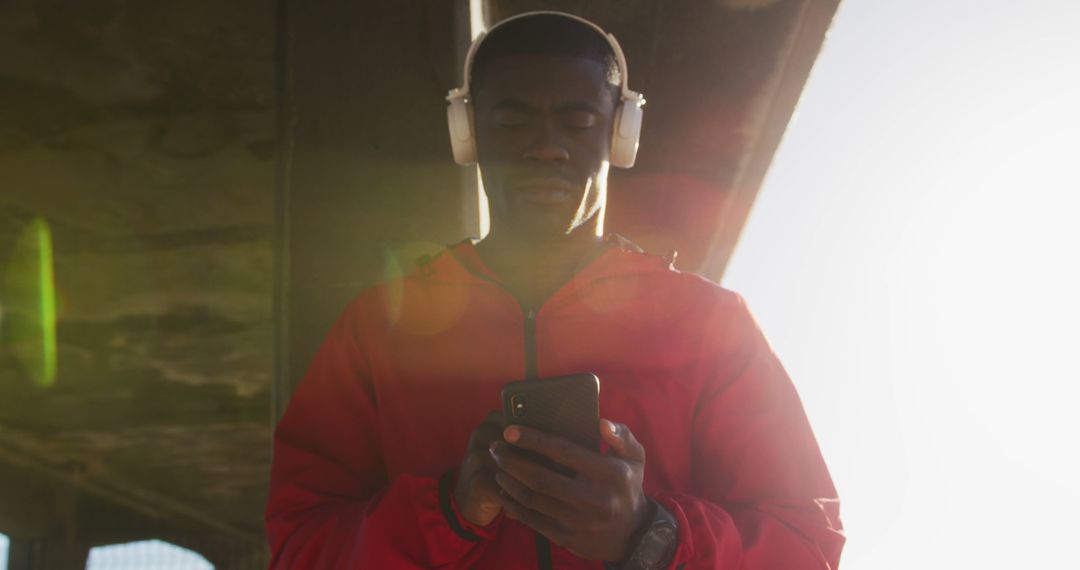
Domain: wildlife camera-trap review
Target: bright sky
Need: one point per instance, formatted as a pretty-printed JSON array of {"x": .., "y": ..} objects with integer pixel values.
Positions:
[
  {"x": 145, "y": 555},
  {"x": 913, "y": 257},
  {"x": 142, "y": 555}
]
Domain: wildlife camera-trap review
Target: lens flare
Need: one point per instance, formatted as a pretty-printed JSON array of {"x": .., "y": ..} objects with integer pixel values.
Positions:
[{"x": 28, "y": 295}]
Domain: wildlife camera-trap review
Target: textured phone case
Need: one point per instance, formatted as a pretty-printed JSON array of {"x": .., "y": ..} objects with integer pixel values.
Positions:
[{"x": 568, "y": 406}]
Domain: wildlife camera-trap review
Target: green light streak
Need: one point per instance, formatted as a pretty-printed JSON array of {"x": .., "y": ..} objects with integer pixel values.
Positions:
[
  {"x": 46, "y": 302},
  {"x": 29, "y": 297}
]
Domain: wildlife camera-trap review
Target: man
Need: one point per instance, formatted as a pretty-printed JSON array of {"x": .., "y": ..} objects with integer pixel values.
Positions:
[{"x": 709, "y": 459}]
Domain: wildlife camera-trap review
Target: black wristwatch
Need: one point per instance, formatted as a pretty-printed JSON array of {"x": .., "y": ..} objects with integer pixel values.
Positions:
[{"x": 656, "y": 547}]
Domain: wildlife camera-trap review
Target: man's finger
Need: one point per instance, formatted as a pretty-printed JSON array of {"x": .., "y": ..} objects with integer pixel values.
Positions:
[
  {"x": 558, "y": 449},
  {"x": 539, "y": 479},
  {"x": 544, "y": 504},
  {"x": 489, "y": 430},
  {"x": 494, "y": 420},
  {"x": 541, "y": 523},
  {"x": 623, "y": 443}
]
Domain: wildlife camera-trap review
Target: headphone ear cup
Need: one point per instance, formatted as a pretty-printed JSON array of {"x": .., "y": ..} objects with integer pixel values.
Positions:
[
  {"x": 459, "y": 115},
  {"x": 626, "y": 133}
]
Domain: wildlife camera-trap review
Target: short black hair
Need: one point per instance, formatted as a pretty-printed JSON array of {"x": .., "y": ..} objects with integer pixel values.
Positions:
[{"x": 549, "y": 35}]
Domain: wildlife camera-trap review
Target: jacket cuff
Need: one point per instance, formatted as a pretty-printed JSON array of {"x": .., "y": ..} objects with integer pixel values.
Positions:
[{"x": 456, "y": 522}]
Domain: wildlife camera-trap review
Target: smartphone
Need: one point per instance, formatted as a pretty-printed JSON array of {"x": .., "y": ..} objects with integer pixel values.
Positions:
[{"x": 566, "y": 406}]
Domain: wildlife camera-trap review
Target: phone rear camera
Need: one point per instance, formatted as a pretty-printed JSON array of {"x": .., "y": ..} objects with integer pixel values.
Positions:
[{"x": 517, "y": 405}]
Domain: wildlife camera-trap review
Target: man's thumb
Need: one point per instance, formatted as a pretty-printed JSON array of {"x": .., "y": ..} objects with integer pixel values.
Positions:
[{"x": 622, "y": 442}]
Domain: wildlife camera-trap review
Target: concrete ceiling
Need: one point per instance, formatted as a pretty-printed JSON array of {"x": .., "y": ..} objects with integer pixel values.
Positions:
[{"x": 144, "y": 133}]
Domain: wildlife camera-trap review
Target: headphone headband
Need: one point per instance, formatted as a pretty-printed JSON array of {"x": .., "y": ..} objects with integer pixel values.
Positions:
[{"x": 620, "y": 59}]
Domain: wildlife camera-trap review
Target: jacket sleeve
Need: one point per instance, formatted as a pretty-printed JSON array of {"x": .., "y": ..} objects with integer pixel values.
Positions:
[
  {"x": 330, "y": 503},
  {"x": 762, "y": 496}
]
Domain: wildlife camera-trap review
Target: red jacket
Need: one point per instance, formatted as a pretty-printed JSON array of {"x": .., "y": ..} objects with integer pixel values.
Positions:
[{"x": 414, "y": 364}]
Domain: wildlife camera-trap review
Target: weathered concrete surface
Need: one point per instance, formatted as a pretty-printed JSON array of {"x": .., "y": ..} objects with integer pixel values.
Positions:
[{"x": 144, "y": 133}]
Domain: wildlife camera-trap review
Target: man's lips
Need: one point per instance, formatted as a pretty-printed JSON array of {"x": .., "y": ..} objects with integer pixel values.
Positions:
[{"x": 545, "y": 191}]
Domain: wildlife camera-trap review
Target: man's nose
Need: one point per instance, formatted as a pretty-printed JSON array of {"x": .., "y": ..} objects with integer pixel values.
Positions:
[{"x": 546, "y": 147}]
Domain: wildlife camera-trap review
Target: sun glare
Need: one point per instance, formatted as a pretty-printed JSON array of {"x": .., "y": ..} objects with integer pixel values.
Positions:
[{"x": 913, "y": 258}]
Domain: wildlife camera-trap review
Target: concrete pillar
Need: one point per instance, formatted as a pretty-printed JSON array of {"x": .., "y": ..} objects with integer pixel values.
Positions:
[
  {"x": 368, "y": 165},
  {"x": 46, "y": 553}
]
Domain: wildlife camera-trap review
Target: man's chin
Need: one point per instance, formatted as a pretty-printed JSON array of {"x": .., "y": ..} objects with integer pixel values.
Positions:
[
  {"x": 545, "y": 197},
  {"x": 553, "y": 227}
]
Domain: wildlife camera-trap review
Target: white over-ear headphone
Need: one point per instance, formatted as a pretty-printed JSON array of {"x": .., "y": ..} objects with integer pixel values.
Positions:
[{"x": 626, "y": 129}]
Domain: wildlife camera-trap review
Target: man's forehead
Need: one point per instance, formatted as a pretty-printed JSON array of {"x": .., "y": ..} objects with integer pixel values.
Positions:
[{"x": 520, "y": 76}]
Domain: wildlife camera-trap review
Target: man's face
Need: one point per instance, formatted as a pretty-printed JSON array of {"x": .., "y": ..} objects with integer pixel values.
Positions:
[{"x": 543, "y": 132}]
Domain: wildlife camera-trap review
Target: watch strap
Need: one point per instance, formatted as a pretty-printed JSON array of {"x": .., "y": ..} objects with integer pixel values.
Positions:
[{"x": 655, "y": 547}]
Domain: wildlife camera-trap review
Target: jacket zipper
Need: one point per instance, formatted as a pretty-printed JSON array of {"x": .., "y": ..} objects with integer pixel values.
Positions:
[
  {"x": 543, "y": 545},
  {"x": 530, "y": 344}
]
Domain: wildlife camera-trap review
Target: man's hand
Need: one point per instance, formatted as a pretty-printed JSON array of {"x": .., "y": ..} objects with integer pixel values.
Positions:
[
  {"x": 476, "y": 492},
  {"x": 594, "y": 515}
]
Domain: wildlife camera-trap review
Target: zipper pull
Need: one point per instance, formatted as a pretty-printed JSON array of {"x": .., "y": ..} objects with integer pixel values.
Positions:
[{"x": 531, "y": 316}]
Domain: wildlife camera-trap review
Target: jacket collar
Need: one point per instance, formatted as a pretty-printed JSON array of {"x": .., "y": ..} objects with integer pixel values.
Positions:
[{"x": 619, "y": 256}]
